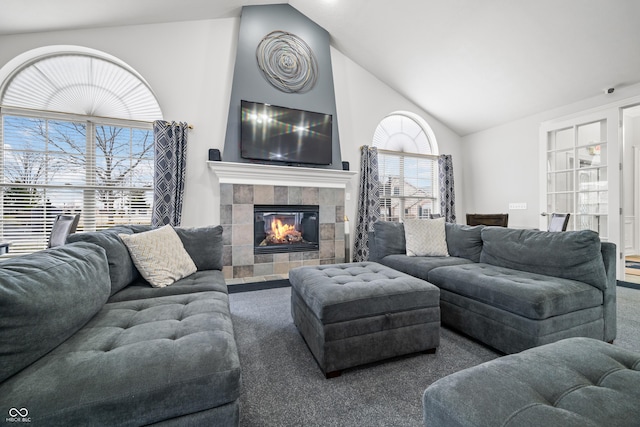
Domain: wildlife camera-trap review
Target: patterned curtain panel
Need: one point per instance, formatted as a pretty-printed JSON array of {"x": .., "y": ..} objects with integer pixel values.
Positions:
[
  {"x": 447, "y": 192},
  {"x": 170, "y": 141},
  {"x": 368, "y": 201}
]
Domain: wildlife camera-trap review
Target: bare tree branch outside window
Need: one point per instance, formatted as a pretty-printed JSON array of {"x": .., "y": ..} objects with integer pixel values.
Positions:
[{"x": 54, "y": 166}]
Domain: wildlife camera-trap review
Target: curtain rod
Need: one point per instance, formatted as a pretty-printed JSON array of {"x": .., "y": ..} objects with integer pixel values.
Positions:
[
  {"x": 166, "y": 122},
  {"x": 405, "y": 154}
]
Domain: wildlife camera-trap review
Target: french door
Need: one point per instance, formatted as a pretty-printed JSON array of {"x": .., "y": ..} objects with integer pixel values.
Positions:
[{"x": 581, "y": 173}]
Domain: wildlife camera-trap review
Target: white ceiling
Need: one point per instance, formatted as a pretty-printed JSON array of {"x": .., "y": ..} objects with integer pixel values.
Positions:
[{"x": 473, "y": 64}]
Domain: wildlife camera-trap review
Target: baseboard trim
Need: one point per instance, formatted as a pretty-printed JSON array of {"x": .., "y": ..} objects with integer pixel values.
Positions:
[
  {"x": 628, "y": 284},
  {"x": 258, "y": 286}
]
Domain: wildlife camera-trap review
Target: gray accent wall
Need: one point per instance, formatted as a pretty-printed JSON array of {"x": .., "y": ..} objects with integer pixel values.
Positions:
[{"x": 249, "y": 84}]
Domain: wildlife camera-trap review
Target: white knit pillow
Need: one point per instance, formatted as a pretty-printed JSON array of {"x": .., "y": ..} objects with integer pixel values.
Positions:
[
  {"x": 159, "y": 255},
  {"x": 426, "y": 237}
]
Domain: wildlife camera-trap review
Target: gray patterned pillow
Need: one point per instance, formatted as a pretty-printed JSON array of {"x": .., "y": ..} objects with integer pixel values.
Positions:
[{"x": 426, "y": 237}]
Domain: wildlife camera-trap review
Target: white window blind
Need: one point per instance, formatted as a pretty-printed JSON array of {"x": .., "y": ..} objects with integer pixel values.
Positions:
[
  {"x": 77, "y": 83},
  {"x": 408, "y": 185},
  {"x": 408, "y": 170},
  {"x": 54, "y": 164}
]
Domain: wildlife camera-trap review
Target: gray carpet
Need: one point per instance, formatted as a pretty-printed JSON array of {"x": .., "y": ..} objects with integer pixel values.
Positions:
[{"x": 283, "y": 386}]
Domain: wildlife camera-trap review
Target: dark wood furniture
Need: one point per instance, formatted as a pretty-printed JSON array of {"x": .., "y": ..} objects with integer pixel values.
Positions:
[{"x": 500, "y": 220}]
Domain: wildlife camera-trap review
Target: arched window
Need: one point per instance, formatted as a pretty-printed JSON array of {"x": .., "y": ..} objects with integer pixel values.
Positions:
[
  {"x": 77, "y": 138},
  {"x": 408, "y": 167}
]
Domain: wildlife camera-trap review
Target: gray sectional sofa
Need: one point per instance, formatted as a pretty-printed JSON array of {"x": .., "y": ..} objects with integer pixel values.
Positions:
[
  {"x": 86, "y": 341},
  {"x": 513, "y": 289},
  {"x": 575, "y": 382}
]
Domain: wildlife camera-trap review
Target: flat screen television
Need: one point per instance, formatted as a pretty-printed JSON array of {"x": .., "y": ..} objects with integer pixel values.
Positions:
[{"x": 280, "y": 134}]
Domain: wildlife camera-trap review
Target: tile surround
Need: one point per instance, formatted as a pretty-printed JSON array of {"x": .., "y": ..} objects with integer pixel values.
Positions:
[
  {"x": 236, "y": 218},
  {"x": 244, "y": 184}
]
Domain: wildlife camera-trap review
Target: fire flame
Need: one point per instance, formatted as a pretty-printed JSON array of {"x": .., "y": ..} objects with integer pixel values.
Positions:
[{"x": 281, "y": 230}]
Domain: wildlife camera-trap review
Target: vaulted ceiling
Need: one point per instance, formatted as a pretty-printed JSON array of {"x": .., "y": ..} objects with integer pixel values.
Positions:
[{"x": 472, "y": 64}]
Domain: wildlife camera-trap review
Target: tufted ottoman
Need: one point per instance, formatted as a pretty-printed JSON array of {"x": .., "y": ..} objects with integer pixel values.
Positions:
[
  {"x": 573, "y": 382},
  {"x": 357, "y": 313}
]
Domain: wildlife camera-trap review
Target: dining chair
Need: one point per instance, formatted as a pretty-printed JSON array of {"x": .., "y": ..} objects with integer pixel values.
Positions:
[
  {"x": 63, "y": 225},
  {"x": 558, "y": 222}
]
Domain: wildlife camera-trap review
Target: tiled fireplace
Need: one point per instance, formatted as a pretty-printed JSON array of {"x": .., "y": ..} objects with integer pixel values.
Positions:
[{"x": 310, "y": 201}]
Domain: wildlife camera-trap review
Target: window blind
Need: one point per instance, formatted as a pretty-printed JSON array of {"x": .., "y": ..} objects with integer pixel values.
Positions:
[
  {"x": 408, "y": 185},
  {"x": 61, "y": 164}
]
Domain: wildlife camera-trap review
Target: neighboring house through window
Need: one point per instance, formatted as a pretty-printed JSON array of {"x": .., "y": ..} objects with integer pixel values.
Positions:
[
  {"x": 77, "y": 138},
  {"x": 408, "y": 167}
]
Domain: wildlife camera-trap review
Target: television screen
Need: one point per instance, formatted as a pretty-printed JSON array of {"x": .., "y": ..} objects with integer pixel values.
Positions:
[{"x": 284, "y": 134}]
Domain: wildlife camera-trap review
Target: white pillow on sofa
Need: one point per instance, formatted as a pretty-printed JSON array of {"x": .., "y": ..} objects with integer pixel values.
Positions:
[
  {"x": 159, "y": 255},
  {"x": 426, "y": 237}
]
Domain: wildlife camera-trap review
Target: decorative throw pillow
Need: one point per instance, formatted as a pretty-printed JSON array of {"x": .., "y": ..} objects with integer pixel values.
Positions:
[
  {"x": 204, "y": 246},
  {"x": 426, "y": 237},
  {"x": 159, "y": 255}
]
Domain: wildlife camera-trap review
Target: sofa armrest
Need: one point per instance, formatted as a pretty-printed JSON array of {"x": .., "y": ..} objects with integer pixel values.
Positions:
[
  {"x": 609, "y": 257},
  {"x": 373, "y": 249}
]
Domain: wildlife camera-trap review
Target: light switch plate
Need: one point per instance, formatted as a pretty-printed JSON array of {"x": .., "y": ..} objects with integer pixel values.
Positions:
[{"x": 516, "y": 206}]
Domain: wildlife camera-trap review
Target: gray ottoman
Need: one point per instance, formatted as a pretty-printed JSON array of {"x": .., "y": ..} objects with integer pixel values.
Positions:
[
  {"x": 357, "y": 313},
  {"x": 574, "y": 382}
]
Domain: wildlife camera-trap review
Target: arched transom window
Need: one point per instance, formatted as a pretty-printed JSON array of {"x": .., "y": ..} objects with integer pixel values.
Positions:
[
  {"x": 408, "y": 167},
  {"x": 76, "y": 138}
]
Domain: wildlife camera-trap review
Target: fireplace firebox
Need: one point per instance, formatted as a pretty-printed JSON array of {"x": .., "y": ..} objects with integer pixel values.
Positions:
[{"x": 286, "y": 228}]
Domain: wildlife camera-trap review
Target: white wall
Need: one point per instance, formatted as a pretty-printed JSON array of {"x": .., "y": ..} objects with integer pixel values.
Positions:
[
  {"x": 362, "y": 101},
  {"x": 189, "y": 65},
  {"x": 501, "y": 164}
]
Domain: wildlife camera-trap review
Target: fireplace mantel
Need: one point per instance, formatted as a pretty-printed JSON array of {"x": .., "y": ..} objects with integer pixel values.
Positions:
[{"x": 259, "y": 174}]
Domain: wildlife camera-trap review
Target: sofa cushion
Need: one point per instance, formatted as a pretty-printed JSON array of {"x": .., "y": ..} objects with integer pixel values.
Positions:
[
  {"x": 159, "y": 256},
  {"x": 156, "y": 359},
  {"x": 571, "y": 255},
  {"x": 204, "y": 245},
  {"x": 464, "y": 241},
  {"x": 121, "y": 268},
  {"x": 425, "y": 237},
  {"x": 45, "y": 297},
  {"x": 200, "y": 281},
  {"x": 530, "y": 295},
  {"x": 420, "y": 266},
  {"x": 389, "y": 239}
]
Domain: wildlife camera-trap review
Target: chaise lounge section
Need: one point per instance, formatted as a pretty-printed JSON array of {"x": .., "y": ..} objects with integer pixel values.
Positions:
[
  {"x": 513, "y": 289},
  {"x": 90, "y": 342}
]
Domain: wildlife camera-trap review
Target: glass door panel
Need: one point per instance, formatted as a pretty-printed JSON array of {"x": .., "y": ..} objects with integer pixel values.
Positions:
[
  {"x": 592, "y": 155},
  {"x": 560, "y": 181},
  {"x": 562, "y": 160},
  {"x": 593, "y": 179},
  {"x": 591, "y": 133},
  {"x": 580, "y": 167},
  {"x": 561, "y": 138},
  {"x": 560, "y": 202},
  {"x": 593, "y": 222},
  {"x": 577, "y": 181}
]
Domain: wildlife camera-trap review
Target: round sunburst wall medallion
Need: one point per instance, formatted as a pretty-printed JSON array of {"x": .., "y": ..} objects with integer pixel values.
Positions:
[{"x": 287, "y": 62}]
